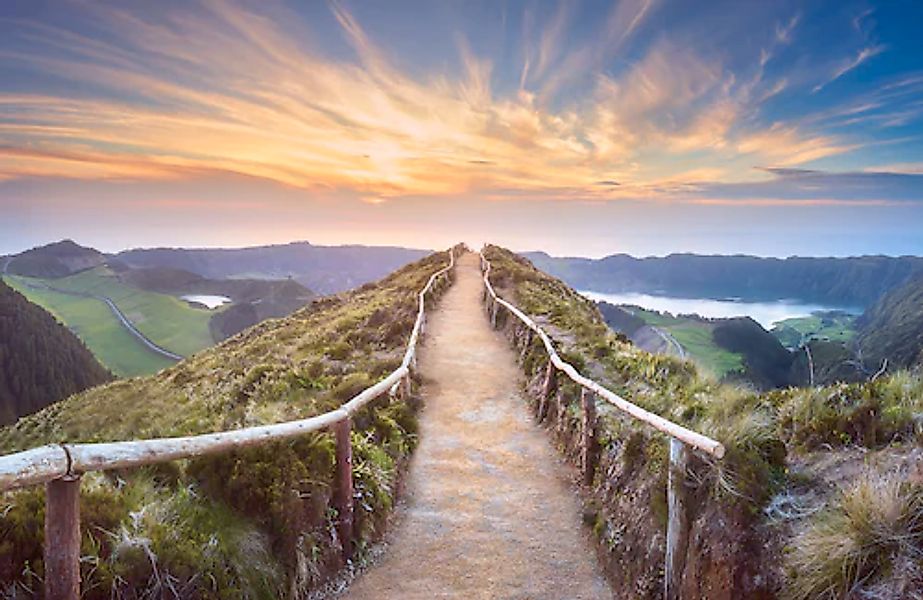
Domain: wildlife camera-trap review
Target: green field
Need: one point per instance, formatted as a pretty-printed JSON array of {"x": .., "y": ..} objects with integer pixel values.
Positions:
[
  {"x": 834, "y": 326},
  {"x": 696, "y": 339},
  {"x": 167, "y": 321}
]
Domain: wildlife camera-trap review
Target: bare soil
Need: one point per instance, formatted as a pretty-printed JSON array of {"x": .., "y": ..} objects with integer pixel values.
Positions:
[{"x": 489, "y": 508}]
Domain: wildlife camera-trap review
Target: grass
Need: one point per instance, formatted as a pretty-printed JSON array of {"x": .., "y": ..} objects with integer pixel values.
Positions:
[
  {"x": 166, "y": 320},
  {"x": 93, "y": 322},
  {"x": 869, "y": 538},
  {"x": 834, "y": 326},
  {"x": 255, "y": 523},
  {"x": 868, "y": 543},
  {"x": 696, "y": 339}
]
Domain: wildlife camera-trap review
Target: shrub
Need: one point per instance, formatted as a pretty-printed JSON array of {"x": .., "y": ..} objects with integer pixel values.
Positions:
[{"x": 867, "y": 544}]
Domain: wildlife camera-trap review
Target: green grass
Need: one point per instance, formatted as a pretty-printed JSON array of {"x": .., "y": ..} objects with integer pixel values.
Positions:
[
  {"x": 696, "y": 339},
  {"x": 834, "y": 326},
  {"x": 93, "y": 322},
  {"x": 255, "y": 523},
  {"x": 166, "y": 320}
]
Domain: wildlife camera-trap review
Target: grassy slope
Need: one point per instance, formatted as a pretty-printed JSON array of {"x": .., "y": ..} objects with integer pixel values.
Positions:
[
  {"x": 267, "y": 508},
  {"x": 757, "y": 429},
  {"x": 166, "y": 320},
  {"x": 696, "y": 339},
  {"x": 93, "y": 322},
  {"x": 833, "y": 327}
]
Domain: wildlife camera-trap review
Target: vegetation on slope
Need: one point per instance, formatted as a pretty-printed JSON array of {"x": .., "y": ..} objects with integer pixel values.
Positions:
[
  {"x": 254, "y": 523},
  {"x": 93, "y": 322},
  {"x": 59, "y": 259},
  {"x": 758, "y": 430},
  {"x": 826, "y": 325},
  {"x": 892, "y": 329},
  {"x": 41, "y": 362}
]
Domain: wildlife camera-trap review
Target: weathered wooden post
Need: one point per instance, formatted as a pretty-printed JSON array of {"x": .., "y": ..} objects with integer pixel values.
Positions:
[
  {"x": 526, "y": 345},
  {"x": 589, "y": 444},
  {"x": 549, "y": 387},
  {"x": 495, "y": 309},
  {"x": 343, "y": 493},
  {"x": 62, "y": 539},
  {"x": 407, "y": 386},
  {"x": 677, "y": 520}
]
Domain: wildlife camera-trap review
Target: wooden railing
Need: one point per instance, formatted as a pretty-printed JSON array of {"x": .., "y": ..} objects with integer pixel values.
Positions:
[
  {"x": 681, "y": 438},
  {"x": 60, "y": 466}
]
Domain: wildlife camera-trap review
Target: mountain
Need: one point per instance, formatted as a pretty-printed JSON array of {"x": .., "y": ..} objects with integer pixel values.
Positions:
[
  {"x": 892, "y": 329},
  {"x": 41, "y": 361},
  {"x": 59, "y": 259},
  {"x": 324, "y": 269},
  {"x": 855, "y": 281}
]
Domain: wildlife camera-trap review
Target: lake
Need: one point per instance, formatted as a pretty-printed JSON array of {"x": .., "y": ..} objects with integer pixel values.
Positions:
[
  {"x": 764, "y": 313},
  {"x": 212, "y": 302}
]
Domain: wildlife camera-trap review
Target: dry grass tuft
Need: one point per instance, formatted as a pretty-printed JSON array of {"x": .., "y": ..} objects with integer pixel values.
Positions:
[{"x": 867, "y": 544}]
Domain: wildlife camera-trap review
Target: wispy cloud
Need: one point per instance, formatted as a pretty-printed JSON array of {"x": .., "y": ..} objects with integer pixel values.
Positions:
[
  {"x": 220, "y": 88},
  {"x": 850, "y": 64}
]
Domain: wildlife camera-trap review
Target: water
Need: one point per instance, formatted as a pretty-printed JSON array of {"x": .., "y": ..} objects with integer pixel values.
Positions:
[
  {"x": 212, "y": 302},
  {"x": 765, "y": 313}
]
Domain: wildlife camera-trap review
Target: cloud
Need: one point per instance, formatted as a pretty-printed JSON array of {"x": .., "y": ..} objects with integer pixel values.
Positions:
[
  {"x": 850, "y": 64},
  {"x": 218, "y": 88}
]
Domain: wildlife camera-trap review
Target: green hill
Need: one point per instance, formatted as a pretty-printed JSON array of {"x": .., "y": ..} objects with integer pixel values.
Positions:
[
  {"x": 249, "y": 524},
  {"x": 59, "y": 259},
  {"x": 892, "y": 329},
  {"x": 41, "y": 362}
]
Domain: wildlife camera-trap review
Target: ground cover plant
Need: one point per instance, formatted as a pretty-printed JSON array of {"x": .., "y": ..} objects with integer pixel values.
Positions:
[{"x": 248, "y": 524}]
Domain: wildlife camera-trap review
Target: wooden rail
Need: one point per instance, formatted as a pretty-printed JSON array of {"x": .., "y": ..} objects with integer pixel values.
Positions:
[
  {"x": 60, "y": 466},
  {"x": 681, "y": 438}
]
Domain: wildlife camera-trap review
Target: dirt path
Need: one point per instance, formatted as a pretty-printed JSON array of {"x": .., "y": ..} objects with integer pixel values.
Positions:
[{"x": 489, "y": 510}]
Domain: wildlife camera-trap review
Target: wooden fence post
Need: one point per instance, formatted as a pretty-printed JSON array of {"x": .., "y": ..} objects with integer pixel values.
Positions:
[
  {"x": 526, "y": 345},
  {"x": 62, "y": 539},
  {"x": 548, "y": 389},
  {"x": 343, "y": 496},
  {"x": 677, "y": 520},
  {"x": 406, "y": 384},
  {"x": 589, "y": 446}
]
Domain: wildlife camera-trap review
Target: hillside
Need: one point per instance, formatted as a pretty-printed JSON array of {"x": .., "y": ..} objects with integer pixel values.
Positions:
[
  {"x": 59, "y": 259},
  {"x": 249, "y": 524},
  {"x": 892, "y": 329},
  {"x": 41, "y": 362},
  {"x": 733, "y": 349},
  {"x": 817, "y": 497},
  {"x": 323, "y": 269},
  {"x": 252, "y": 300},
  {"x": 857, "y": 281}
]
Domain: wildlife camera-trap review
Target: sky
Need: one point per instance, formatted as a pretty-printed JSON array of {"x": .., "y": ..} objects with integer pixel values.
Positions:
[{"x": 579, "y": 128}]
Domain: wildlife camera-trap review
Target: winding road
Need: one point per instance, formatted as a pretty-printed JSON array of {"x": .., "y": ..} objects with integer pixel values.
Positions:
[
  {"x": 490, "y": 511},
  {"x": 150, "y": 345}
]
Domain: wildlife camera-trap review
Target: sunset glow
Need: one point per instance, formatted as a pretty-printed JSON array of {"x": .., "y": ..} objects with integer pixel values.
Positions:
[{"x": 449, "y": 104}]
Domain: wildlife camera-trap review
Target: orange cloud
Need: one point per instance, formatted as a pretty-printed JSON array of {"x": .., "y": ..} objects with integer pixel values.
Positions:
[{"x": 233, "y": 91}]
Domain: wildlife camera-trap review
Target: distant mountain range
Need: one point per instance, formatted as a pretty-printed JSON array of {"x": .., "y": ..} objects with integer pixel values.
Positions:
[
  {"x": 145, "y": 289},
  {"x": 856, "y": 281},
  {"x": 41, "y": 361},
  {"x": 323, "y": 269}
]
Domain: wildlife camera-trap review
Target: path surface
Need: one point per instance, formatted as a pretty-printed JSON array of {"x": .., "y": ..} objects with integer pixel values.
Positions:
[{"x": 489, "y": 509}]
